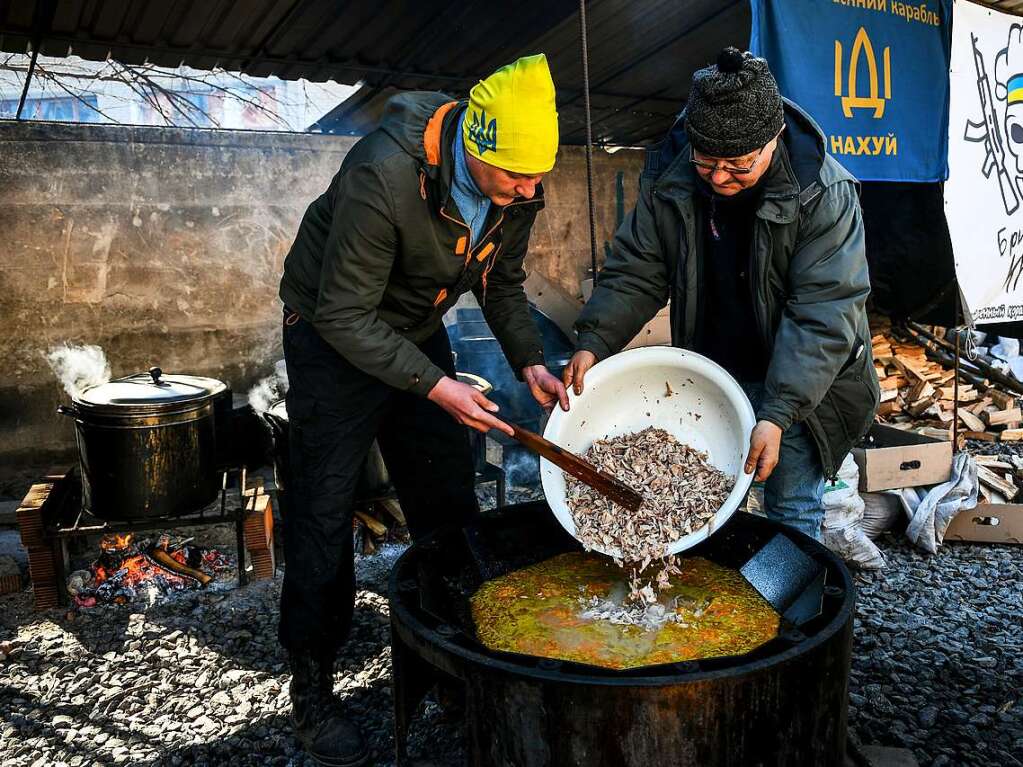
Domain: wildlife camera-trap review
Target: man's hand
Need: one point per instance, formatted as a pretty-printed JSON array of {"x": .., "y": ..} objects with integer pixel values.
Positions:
[
  {"x": 545, "y": 387},
  {"x": 575, "y": 372},
  {"x": 764, "y": 446},
  {"x": 467, "y": 405}
]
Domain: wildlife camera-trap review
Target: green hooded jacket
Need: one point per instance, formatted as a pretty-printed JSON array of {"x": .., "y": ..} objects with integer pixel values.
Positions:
[
  {"x": 808, "y": 281},
  {"x": 383, "y": 253}
]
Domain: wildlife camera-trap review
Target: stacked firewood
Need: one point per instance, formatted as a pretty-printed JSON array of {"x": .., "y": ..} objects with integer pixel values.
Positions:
[
  {"x": 1000, "y": 477},
  {"x": 919, "y": 393}
]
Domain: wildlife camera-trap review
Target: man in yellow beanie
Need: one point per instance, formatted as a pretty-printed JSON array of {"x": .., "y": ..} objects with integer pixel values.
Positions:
[{"x": 437, "y": 201}]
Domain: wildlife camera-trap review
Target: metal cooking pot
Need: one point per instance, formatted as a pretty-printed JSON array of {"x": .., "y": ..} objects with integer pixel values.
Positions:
[
  {"x": 374, "y": 481},
  {"x": 147, "y": 444}
]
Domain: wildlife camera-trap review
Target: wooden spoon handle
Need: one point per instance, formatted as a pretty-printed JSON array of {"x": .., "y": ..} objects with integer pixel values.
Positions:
[{"x": 582, "y": 470}]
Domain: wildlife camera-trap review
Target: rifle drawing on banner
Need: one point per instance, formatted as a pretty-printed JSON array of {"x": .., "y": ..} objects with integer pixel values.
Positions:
[{"x": 987, "y": 131}]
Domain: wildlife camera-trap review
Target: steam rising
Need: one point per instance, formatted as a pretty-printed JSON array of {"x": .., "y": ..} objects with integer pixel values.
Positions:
[
  {"x": 522, "y": 468},
  {"x": 270, "y": 389},
  {"x": 78, "y": 367}
]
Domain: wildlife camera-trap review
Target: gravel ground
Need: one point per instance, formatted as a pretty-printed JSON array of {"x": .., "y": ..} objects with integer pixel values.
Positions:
[
  {"x": 938, "y": 654},
  {"x": 199, "y": 679}
]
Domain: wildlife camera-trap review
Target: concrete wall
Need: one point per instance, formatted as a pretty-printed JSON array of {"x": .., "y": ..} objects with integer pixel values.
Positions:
[{"x": 165, "y": 246}]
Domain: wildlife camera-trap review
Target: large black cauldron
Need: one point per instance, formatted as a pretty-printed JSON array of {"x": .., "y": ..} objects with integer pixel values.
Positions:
[
  {"x": 783, "y": 704},
  {"x": 150, "y": 445}
]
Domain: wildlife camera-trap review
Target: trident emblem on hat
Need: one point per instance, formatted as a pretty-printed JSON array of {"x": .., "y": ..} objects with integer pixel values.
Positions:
[{"x": 482, "y": 133}]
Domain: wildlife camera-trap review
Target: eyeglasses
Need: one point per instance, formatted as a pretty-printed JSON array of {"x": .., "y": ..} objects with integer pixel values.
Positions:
[{"x": 735, "y": 170}]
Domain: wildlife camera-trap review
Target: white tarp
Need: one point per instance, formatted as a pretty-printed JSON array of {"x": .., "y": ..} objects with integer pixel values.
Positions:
[{"x": 984, "y": 193}]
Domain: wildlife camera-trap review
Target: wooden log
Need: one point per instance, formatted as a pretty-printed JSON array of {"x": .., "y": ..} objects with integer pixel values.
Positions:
[
  {"x": 1002, "y": 399},
  {"x": 977, "y": 407},
  {"x": 989, "y": 495},
  {"x": 920, "y": 407},
  {"x": 986, "y": 436},
  {"x": 886, "y": 409},
  {"x": 375, "y": 525},
  {"x": 892, "y": 383},
  {"x": 1000, "y": 417},
  {"x": 992, "y": 480},
  {"x": 920, "y": 390},
  {"x": 393, "y": 508},
  {"x": 942, "y": 434},
  {"x": 368, "y": 547},
  {"x": 992, "y": 462},
  {"x": 1011, "y": 435},
  {"x": 972, "y": 422}
]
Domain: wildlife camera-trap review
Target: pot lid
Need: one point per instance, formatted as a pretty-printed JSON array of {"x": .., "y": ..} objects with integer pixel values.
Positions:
[{"x": 152, "y": 391}]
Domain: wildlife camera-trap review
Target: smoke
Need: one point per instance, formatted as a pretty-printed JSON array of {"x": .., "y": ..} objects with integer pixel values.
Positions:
[
  {"x": 78, "y": 367},
  {"x": 270, "y": 389},
  {"x": 521, "y": 467}
]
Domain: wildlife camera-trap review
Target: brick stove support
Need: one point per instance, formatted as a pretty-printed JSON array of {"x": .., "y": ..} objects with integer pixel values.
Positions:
[
  {"x": 50, "y": 514},
  {"x": 259, "y": 535},
  {"x": 44, "y": 504}
]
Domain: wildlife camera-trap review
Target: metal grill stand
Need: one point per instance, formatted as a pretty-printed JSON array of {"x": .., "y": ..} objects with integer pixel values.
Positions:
[{"x": 52, "y": 515}]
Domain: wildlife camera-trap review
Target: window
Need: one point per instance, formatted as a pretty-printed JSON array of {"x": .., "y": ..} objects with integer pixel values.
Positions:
[{"x": 66, "y": 109}]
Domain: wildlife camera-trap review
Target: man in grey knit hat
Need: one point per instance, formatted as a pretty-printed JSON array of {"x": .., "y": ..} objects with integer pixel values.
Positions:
[{"x": 754, "y": 233}]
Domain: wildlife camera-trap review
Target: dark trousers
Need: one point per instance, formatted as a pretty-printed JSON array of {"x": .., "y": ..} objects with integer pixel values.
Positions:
[{"x": 334, "y": 412}]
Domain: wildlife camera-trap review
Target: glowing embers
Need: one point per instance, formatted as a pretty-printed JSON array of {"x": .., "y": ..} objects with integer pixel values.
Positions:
[
  {"x": 127, "y": 570},
  {"x": 571, "y": 607}
]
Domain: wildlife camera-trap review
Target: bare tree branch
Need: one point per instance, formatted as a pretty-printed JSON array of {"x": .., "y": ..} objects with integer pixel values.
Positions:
[
  {"x": 171, "y": 94},
  {"x": 45, "y": 75}
]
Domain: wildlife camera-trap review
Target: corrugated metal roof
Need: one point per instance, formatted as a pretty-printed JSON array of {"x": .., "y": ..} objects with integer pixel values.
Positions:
[
  {"x": 642, "y": 52},
  {"x": 1008, "y": 6}
]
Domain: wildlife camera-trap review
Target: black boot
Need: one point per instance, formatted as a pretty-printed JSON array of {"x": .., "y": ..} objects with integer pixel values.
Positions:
[{"x": 324, "y": 733}]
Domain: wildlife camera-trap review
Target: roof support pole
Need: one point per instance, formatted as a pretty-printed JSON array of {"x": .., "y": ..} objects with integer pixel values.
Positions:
[
  {"x": 589, "y": 141},
  {"x": 28, "y": 80},
  {"x": 42, "y": 22}
]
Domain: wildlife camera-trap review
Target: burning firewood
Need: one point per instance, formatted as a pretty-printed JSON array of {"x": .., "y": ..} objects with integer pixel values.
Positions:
[
  {"x": 126, "y": 567},
  {"x": 164, "y": 558}
]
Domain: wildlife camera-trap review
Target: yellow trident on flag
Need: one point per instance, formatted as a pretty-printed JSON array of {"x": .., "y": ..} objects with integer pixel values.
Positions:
[{"x": 852, "y": 100}]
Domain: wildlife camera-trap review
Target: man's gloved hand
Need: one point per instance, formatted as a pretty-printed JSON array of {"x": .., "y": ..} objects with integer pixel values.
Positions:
[
  {"x": 467, "y": 405},
  {"x": 545, "y": 387},
  {"x": 576, "y": 370},
  {"x": 764, "y": 447}
]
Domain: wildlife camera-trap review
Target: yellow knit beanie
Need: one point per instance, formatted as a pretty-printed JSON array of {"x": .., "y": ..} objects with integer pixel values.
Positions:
[{"x": 512, "y": 122}]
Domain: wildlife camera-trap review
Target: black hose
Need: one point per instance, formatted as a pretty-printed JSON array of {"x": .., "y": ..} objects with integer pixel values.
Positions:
[{"x": 994, "y": 374}]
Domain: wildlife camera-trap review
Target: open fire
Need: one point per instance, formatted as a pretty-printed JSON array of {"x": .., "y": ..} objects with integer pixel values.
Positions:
[{"x": 127, "y": 569}]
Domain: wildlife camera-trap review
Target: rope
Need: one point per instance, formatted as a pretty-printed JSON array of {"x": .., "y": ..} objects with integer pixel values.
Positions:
[{"x": 589, "y": 141}]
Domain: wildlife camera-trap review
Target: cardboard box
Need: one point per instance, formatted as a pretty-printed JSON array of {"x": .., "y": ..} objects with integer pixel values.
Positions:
[
  {"x": 988, "y": 523},
  {"x": 657, "y": 332},
  {"x": 895, "y": 459}
]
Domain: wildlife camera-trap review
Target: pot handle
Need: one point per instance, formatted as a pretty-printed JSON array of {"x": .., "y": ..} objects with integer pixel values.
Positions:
[
  {"x": 155, "y": 372},
  {"x": 65, "y": 410}
]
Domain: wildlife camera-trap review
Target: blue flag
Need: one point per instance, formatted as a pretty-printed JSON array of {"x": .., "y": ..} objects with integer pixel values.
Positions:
[{"x": 873, "y": 73}]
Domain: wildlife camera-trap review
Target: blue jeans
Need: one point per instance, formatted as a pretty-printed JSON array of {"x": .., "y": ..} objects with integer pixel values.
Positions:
[{"x": 793, "y": 492}]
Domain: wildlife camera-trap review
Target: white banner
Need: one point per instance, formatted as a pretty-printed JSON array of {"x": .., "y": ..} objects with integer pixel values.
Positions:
[{"x": 984, "y": 193}]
